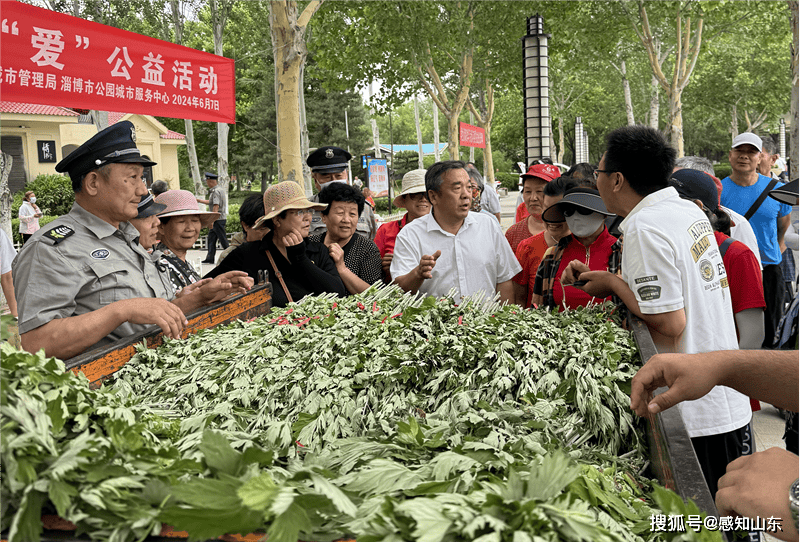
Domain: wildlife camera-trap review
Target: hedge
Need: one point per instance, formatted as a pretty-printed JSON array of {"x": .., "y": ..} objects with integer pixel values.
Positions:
[
  {"x": 722, "y": 170},
  {"x": 44, "y": 220},
  {"x": 54, "y": 195},
  {"x": 509, "y": 181}
]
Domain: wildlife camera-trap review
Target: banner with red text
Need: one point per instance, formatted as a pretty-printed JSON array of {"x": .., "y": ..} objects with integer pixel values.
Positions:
[
  {"x": 471, "y": 136},
  {"x": 378, "y": 177},
  {"x": 55, "y": 59}
]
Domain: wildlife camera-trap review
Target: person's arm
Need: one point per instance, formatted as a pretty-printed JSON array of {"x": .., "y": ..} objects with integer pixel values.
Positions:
[
  {"x": 215, "y": 208},
  {"x": 602, "y": 284},
  {"x": 758, "y": 485},
  {"x": 214, "y": 290},
  {"x": 750, "y": 325},
  {"x": 520, "y": 293},
  {"x": 203, "y": 201},
  {"x": 68, "y": 337},
  {"x": 766, "y": 375},
  {"x": 411, "y": 281},
  {"x": 783, "y": 225},
  {"x": 351, "y": 281},
  {"x": 7, "y": 284},
  {"x": 319, "y": 279},
  {"x": 507, "y": 292},
  {"x": 497, "y": 216}
]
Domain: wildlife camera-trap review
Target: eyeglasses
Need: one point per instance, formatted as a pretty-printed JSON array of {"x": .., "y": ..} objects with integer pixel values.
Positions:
[
  {"x": 302, "y": 212},
  {"x": 602, "y": 171},
  {"x": 569, "y": 211}
]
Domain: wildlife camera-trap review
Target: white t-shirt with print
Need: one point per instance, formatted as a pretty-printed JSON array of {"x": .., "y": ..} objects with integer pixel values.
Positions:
[{"x": 671, "y": 261}]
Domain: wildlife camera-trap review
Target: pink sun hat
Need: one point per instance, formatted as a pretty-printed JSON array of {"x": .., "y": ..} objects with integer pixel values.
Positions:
[{"x": 183, "y": 202}]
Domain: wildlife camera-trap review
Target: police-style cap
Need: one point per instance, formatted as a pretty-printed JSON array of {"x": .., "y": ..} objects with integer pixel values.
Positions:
[
  {"x": 210, "y": 175},
  {"x": 149, "y": 207},
  {"x": 328, "y": 160},
  {"x": 115, "y": 144}
]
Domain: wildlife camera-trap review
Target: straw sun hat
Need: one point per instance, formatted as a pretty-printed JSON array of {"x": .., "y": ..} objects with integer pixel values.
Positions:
[
  {"x": 413, "y": 183},
  {"x": 283, "y": 196},
  {"x": 183, "y": 202}
]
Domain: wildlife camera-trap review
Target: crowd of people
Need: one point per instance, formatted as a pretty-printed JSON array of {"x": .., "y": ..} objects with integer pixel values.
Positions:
[{"x": 703, "y": 262}]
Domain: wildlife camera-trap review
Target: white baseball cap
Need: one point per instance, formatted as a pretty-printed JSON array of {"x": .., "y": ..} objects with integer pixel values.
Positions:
[{"x": 747, "y": 138}]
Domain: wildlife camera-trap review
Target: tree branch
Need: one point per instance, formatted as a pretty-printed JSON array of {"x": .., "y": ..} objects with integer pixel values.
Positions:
[{"x": 310, "y": 10}]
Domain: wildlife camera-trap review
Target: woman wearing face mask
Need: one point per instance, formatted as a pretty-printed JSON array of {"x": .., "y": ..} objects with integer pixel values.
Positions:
[
  {"x": 29, "y": 215},
  {"x": 589, "y": 242},
  {"x": 529, "y": 252}
]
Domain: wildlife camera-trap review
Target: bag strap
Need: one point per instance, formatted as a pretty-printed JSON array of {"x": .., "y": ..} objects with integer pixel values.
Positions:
[
  {"x": 723, "y": 248},
  {"x": 756, "y": 204},
  {"x": 280, "y": 277}
]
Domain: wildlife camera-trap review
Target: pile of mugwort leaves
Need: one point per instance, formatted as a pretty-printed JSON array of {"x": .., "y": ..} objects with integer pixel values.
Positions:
[{"x": 377, "y": 417}]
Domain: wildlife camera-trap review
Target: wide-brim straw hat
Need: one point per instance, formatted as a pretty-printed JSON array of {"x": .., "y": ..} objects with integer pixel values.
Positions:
[
  {"x": 586, "y": 198},
  {"x": 183, "y": 202},
  {"x": 413, "y": 183},
  {"x": 283, "y": 196},
  {"x": 786, "y": 193}
]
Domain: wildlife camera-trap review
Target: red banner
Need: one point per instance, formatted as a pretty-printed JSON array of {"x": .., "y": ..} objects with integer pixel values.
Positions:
[
  {"x": 56, "y": 59},
  {"x": 471, "y": 136}
]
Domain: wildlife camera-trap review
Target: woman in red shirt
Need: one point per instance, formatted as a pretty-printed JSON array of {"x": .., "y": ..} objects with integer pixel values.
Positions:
[
  {"x": 533, "y": 183},
  {"x": 589, "y": 242},
  {"x": 412, "y": 198}
]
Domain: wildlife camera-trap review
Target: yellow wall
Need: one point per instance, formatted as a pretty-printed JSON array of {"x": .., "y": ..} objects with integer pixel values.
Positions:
[{"x": 67, "y": 131}]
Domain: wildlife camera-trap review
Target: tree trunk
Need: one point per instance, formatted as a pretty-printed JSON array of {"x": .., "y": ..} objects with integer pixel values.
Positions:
[
  {"x": 560, "y": 156},
  {"x": 436, "y": 153},
  {"x": 6, "y": 160},
  {"x": 219, "y": 15},
  {"x": 676, "y": 124},
  {"x": 626, "y": 90},
  {"x": 308, "y": 182},
  {"x": 289, "y": 53},
  {"x": 420, "y": 161},
  {"x": 471, "y": 149},
  {"x": 654, "y": 103},
  {"x": 734, "y": 121},
  {"x": 452, "y": 137},
  {"x": 794, "y": 154}
]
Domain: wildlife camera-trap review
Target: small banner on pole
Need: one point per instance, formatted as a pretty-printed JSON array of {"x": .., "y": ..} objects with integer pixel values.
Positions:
[
  {"x": 55, "y": 59},
  {"x": 378, "y": 178},
  {"x": 471, "y": 136}
]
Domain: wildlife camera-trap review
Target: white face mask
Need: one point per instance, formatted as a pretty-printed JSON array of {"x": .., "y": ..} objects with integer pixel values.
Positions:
[
  {"x": 584, "y": 225},
  {"x": 33, "y": 199}
]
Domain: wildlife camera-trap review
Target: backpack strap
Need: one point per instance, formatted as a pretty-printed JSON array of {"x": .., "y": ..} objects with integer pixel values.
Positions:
[
  {"x": 756, "y": 204},
  {"x": 723, "y": 248}
]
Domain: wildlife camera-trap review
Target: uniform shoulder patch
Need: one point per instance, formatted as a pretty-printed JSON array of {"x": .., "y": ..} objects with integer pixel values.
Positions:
[{"x": 58, "y": 234}]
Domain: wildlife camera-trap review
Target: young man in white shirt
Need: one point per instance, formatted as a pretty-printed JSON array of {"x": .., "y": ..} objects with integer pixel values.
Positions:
[
  {"x": 452, "y": 248},
  {"x": 673, "y": 278}
]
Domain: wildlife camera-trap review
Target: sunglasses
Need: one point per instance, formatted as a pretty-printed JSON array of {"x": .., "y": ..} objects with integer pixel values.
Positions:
[{"x": 569, "y": 211}]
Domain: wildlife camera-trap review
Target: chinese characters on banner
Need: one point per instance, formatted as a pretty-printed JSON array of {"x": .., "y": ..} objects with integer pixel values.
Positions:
[
  {"x": 56, "y": 59},
  {"x": 471, "y": 136},
  {"x": 378, "y": 178}
]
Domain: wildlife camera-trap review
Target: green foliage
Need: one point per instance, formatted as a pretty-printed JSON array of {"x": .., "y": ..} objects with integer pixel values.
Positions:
[
  {"x": 54, "y": 195},
  {"x": 232, "y": 224},
  {"x": 509, "y": 181},
  {"x": 722, "y": 170}
]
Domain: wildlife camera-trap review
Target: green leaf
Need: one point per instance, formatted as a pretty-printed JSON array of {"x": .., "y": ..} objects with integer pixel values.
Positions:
[
  {"x": 219, "y": 454},
  {"x": 258, "y": 493},
  {"x": 286, "y": 527},
  {"x": 60, "y": 494},
  {"x": 549, "y": 479},
  {"x": 27, "y": 523},
  {"x": 431, "y": 524},
  {"x": 334, "y": 494}
]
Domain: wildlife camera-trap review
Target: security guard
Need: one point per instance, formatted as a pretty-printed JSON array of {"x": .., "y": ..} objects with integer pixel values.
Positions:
[
  {"x": 85, "y": 281},
  {"x": 329, "y": 165}
]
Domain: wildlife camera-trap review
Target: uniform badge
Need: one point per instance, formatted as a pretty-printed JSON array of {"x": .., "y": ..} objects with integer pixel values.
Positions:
[
  {"x": 59, "y": 233},
  {"x": 100, "y": 254},
  {"x": 329, "y": 153}
]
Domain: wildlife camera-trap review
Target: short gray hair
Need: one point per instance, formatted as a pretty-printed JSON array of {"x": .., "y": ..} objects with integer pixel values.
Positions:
[
  {"x": 699, "y": 163},
  {"x": 159, "y": 187},
  {"x": 435, "y": 174},
  {"x": 768, "y": 145},
  {"x": 474, "y": 175}
]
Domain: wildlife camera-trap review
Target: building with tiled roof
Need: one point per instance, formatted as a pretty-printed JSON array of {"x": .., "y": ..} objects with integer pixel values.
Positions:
[{"x": 39, "y": 136}]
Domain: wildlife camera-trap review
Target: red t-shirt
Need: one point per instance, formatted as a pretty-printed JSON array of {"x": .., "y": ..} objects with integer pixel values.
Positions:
[
  {"x": 387, "y": 235},
  {"x": 522, "y": 212},
  {"x": 744, "y": 276},
  {"x": 529, "y": 253},
  {"x": 595, "y": 256},
  {"x": 518, "y": 233}
]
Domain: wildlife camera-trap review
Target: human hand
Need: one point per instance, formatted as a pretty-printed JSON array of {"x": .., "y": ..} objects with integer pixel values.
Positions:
[
  {"x": 426, "y": 265},
  {"x": 148, "y": 311},
  {"x": 686, "y": 375},
  {"x": 292, "y": 238},
  {"x": 573, "y": 271},
  {"x": 758, "y": 486},
  {"x": 386, "y": 262},
  {"x": 226, "y": 284},
  {"x": 598, "y": 283},
  {"x": 191, "y": 287},
  {"x": 337, "y": 254}
]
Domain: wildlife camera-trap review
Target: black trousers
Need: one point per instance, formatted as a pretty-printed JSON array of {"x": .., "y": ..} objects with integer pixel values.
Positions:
[
  {"x": 774, "y": 291},
  {"x": 25, "y": 237},
  {"x": 217, "y": 232},
  {"x": 716, "y": 451}
]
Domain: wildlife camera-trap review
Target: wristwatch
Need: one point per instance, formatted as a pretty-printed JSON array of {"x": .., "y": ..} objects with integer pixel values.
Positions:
[{"x": 794, "y": 500}]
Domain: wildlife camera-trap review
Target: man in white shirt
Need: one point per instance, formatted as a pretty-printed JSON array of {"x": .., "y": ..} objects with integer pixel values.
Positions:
[
  {"x": 452, "y": 248},
  {"x": 673, "y": 278}
]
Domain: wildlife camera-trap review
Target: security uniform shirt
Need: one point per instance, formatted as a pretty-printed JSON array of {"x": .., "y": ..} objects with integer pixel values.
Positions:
[
  {"x": 80, "y": 263},
  {"x": 217, "y": 196}
]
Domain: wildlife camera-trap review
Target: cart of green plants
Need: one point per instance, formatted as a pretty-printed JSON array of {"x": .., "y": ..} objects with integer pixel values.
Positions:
[{"x": 382, "y": 416}]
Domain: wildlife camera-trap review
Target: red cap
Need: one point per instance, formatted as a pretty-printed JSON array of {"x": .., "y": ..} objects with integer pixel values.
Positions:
[{"x": 545, "y": 172}]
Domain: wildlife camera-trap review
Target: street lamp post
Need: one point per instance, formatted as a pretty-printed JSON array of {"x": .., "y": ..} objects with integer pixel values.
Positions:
[{"x": 536, "y": 90}]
